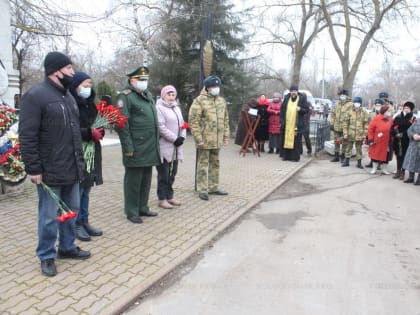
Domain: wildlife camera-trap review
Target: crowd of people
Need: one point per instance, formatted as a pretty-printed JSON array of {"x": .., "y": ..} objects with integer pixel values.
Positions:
[
  {"x": 386, "y": 133},
  {"x": 57, "y": 118}
]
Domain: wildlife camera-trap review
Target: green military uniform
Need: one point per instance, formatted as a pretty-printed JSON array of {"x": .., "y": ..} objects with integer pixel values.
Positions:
[
  {"x": 355, "y": 127},
  {"x": 209, "y": 124},
  {"x": 337, "y": 119},
  {"x": 141, "y": 137}
]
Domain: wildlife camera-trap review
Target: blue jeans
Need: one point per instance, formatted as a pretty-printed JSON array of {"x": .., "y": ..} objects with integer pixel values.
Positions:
[
  {"x": 49, "y": 227},
  {"x": 83, "y": 214}
]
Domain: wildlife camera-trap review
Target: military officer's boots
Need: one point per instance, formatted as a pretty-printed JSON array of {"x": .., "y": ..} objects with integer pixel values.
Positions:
[
  {"x": 346, "y": 162},
  {"x": 359, "y": 164},
  {"x": 336, "y": 157}
]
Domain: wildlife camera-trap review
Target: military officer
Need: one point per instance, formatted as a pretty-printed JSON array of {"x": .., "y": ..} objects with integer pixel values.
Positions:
[
  {"x": 209, "y": 124},
  {"x": 355, "y": 128},
  {"x": 343, "y": 106},
  {"x": 139, "y": 143}
]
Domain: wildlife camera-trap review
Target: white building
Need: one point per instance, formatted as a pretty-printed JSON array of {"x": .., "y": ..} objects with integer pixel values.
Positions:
[{"x": 9, "y": 77}]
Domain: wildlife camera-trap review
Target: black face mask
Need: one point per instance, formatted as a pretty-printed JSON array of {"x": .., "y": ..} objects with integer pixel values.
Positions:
[{"x": 66, "y": 80}]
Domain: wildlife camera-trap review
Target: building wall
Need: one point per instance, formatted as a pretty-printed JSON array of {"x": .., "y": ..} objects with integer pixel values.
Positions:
[{"x": 6, "y": 54}]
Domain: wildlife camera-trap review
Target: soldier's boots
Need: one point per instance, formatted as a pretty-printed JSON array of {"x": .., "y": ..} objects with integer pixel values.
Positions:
[
  {"x": 346, "y": 162},
  {"x": 336, "y": 157},
  {"x": 417, "y": 183},
  {"x": 81, "y": 233},
  {"x": 342, "y": 159},
  {"x": 359, "y": 164},
  {"x": 369, "y": 165}
]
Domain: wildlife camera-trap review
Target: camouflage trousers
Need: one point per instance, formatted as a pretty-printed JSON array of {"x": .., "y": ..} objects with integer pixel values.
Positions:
[
  {"x": 349, "y": 148},
  {"x": 208, "y": 166}
]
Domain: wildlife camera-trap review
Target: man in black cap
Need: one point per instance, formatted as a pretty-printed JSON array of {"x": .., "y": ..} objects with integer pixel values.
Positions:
[
  {"x": 292, "y": 124},
  {"x": 51, "y": 145},
  {"x": 338, "y": 115},
  {"x": 139, "y": 143}
]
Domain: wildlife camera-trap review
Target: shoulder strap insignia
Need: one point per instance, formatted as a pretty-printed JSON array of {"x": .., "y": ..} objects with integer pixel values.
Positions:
[{"x": 127, "y": 91}]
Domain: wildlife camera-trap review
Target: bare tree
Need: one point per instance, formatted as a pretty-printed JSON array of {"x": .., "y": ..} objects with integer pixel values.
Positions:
[
  {"x": 296, "y": 25},
  {"x": 356, "y": 22}
]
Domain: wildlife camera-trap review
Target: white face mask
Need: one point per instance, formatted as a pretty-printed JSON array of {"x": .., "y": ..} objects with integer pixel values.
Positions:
[
  {"x": 141, "y": 85},
  {"x": 356, "y": 105},
  {"x": 342, "y": 98},
  {"x": 215, "y": 91},
  {"x": 84, "y": 92},
  {"x": 388, "y": 114}
]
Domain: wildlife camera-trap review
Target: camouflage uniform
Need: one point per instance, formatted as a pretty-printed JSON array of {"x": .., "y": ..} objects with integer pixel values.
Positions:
[
  {"x": 355, "y": 128},
  {"x": 338, "y": 115},
  {"x": 209, "y": 124}
]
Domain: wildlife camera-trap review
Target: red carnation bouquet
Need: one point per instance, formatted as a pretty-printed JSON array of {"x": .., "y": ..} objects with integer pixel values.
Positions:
[
  {"x": 108, "y": 116},
  {"x": 184, "y": 126},
  {"x": 65, "y": 212}
]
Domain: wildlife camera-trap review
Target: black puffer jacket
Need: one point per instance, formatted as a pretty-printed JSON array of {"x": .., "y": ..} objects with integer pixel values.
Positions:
[
  {"x": 49, "y": 134},
  {"x": 88, "y": 113}
]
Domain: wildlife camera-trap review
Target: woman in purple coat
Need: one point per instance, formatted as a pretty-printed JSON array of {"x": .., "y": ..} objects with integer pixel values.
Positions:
[{"x": 172, "y": 137}]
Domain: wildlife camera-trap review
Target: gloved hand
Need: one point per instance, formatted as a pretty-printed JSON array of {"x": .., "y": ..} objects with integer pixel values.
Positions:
[
  {"x": 97, "y": 134},
  {"x": 179, "y": 141}
]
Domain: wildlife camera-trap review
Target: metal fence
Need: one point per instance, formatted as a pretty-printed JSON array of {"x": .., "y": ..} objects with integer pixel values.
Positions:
[{"x": 319, "y": 133}]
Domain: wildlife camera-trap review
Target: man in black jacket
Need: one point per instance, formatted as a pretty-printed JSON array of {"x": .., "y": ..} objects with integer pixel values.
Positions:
[{"x": 52, "y": 152}]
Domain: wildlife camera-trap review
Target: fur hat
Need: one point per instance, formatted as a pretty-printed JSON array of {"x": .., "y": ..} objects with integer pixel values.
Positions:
[
  {"x": 54, "y": 61},
  {"x": 379, "y": 101},
  {"x": 383, "y": 95},
  {"x": 357, "y": 99},
  {"x": 294, "y": 87},
  {"x": 343, "y": 91},
  {"x": 166, "y": 89},
  {"x": 212, "y": 80}
]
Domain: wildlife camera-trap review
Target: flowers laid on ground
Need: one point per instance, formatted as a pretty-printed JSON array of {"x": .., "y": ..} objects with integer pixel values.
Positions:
[
  {"x": 12, "y": 169},
  {"x": 65, "y": 212},
  {"x": 108, "y": 116}
]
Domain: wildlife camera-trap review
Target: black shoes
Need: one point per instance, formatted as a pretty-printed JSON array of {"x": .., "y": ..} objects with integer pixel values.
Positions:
[
  {"x": 148, "y": 214},
  {"x": 135, "y": 219},
  {"x": 48, "y": 267},
  {"x": 77, "y": 253},
  {"x": 203, "y": 196},
  {"x": 91, "y": 230},
  {"x": 218, "y": 192},
  {"x": 81, "y": 233}
]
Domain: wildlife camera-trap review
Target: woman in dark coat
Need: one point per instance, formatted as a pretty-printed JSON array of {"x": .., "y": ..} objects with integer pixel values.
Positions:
[
  {"x": 400, "y": 142},
  {"x": 261, "y": 133},
  {"x": 82, "y": 91}
]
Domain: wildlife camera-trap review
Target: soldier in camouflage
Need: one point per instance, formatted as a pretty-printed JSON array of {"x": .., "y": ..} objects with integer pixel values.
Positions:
[
  {"x": 337, "y": 119},
  {"x": 355, "y": 131},
  {"x": 209, "y": 123}
]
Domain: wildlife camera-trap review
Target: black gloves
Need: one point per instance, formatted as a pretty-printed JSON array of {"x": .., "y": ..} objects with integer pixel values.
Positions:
[{"x": 179, "y": 141}]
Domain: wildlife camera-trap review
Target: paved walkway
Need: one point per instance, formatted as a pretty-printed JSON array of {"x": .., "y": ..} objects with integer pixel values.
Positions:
[{"x": 128, "y": 258}]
